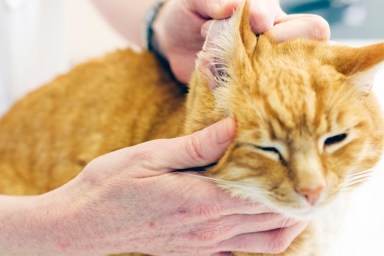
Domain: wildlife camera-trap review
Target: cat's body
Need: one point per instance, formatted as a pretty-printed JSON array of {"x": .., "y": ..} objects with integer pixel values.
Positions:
[
  {"x": 307, "y": 125},
  {"x": 97, "y": 109}
]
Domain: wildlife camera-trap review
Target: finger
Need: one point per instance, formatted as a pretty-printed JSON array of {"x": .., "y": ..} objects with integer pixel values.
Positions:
[
  {"x": 198, "y": 149},
  {"x": 300, "y": 26},
  {"x": 231, "y": 226},
  {"x": 263, "y": 15},
  {"x": 205, "y": 28},
  {"x": 222, "y": 254},
  {"x": 213, "y": 9},
  {"x": 229, "y": 205},
  {"x": 243, "y": 224},
  {"x": 280, "y": 15},
  {"x": 275, "y": 241}
]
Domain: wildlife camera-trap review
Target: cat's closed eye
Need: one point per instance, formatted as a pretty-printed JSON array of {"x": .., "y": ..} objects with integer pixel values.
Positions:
[
  {"x": 272, "y": 150},
  {"x": 335, "y": 139},
  {"x": 333, "y": 143}
]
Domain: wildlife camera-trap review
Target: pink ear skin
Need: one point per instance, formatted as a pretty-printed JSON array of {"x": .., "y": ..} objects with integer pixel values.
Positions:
[
  {"x": 225, "y": 39},
  {"x": 211, "y": 61}
]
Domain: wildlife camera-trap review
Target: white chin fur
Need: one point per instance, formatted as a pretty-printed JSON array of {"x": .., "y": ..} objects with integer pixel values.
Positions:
[{"x": 305, "y": 212}]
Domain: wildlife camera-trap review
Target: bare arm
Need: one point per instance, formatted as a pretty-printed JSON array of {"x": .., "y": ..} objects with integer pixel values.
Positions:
[
  {"x": 122, "y": 203},
  {"x": 19, "y": 235}
]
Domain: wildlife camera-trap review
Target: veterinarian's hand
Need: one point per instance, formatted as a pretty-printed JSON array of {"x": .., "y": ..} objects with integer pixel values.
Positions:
[
  {"x": 182, "y": 25},
  {"x": 131, "y": 201}
]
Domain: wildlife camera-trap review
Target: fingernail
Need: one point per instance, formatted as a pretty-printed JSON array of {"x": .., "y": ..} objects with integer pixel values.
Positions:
[{"x": 225, "y": 130}]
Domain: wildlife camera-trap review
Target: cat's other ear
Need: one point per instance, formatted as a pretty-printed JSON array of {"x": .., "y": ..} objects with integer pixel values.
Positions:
[
  {"x": 228, "y": 42},
  {"x": 359, "y": 65}
]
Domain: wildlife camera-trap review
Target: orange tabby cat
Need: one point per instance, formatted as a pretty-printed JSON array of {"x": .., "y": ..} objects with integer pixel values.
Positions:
[{"x": 308, "y": 126}]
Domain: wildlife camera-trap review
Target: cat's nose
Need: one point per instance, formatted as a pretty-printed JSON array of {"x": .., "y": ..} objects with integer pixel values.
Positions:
[{"x": 312, "y": 194}]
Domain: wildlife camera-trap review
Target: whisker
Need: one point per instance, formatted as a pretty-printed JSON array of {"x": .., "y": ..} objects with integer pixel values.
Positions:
[
  {"x": 360, "y": 173},
  {"x": 349, "y": 183},
  {"x": 357, "y": 178},
  {"x": 233, "y": 184},
  {"x": 356, "y": 181}
]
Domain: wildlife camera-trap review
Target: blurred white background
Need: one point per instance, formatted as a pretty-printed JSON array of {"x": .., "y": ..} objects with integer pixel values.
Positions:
[
  {"x": 88, "y": 35},
  {"x": 362, "y": 232}
]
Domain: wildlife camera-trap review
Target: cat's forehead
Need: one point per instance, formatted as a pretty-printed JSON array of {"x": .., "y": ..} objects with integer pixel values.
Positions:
[{"x": 285, "y": 97}]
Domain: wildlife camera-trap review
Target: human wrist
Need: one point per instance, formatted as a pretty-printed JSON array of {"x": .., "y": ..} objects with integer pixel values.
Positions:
[
  {"x": 155, "y": 30},
  {"x": 48, "y": 224},
  {"x": 65, "y": 223},
  {"x": 86, "y": 221},
  {"x": 21, "y": 232}
]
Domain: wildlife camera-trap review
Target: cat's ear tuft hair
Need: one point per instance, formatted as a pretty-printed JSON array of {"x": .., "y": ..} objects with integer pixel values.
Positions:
[
  {"x": 212, "y": 60},
  {"x": 364, "y": 80},
  {"x": 359, "y": 65},
  {"x": 223, "y": 46}
]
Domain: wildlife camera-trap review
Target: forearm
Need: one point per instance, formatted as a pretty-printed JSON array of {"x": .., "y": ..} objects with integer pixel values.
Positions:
[
  {"x": 19, "y": 234},
  {"x": 40, "y": 225},
  {"x": 127, "y": 17}
]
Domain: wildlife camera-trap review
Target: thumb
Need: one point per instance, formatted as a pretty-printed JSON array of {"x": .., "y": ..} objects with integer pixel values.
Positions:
[{"x": 198, "y": 149}]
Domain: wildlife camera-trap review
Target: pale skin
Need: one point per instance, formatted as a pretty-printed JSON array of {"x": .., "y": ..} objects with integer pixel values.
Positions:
[
  {"x": 182, "y": 25},
  {"x": 130, "y": 200}
]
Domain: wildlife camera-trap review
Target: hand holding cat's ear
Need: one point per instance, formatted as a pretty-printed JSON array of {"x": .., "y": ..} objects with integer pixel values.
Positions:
[
  {"x": 267, "y": 16},
  {"x": 181, "y": 27}
]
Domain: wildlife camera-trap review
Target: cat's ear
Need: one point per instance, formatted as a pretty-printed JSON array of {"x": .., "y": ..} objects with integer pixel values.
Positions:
[
  {"x": 228, "y": 42},
  {"x": 359, "y": 65}
]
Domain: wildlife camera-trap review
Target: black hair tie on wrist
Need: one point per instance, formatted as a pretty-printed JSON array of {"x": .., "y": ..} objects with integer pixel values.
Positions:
[
  {"x": 149, "y": 32},
  {"x": 151, "y": 43}
]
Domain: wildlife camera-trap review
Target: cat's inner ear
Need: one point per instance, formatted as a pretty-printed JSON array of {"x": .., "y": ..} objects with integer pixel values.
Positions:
[
  {"x": 228, "y": 41},
  {"x": 359, "y": 65},
  {"x": 212, "y": 59},
  {"x": 364, "y": 80}
]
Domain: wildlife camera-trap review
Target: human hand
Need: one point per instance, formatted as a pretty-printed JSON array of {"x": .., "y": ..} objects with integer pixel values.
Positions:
[
  {"x": 182, "y": 25},
  {"x": 131, "y": 201}
]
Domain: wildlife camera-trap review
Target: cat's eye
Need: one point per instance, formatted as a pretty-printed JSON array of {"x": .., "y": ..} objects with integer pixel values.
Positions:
[
  {"x": 271, "y": 150},
  {"x": 335, "y": 139}
]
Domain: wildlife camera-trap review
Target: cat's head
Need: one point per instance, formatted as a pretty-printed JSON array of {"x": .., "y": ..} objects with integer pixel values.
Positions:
[{"x": 308, "y": 126}]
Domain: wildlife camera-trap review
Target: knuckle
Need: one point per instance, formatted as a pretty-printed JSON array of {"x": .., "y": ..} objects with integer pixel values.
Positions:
[
  {"x": 207, "y": 238},
  {"x": 260, "y": 14},
  {"x": 261, "y": 21},
  {"x": 206, "y": 211},
  {"x": 321, "y": 29},
  {"x": 212, "y": 233},
  {"x": 193, "y": 148},
  {"x": 139, "y": 157}
]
